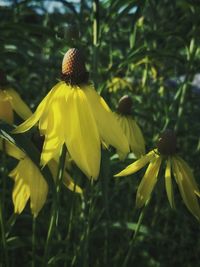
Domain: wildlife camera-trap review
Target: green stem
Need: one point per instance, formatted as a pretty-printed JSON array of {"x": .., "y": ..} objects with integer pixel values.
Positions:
[
  {"x": 132, "y": 242},
  {"x": 55, "y": 206},
  {"x": 33, "y": 241},
  {"x": 2, "y": 213},
  {"x": 95, "y": 38}
]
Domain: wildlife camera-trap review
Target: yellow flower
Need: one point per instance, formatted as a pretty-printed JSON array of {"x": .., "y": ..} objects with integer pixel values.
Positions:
[
  {"x": 29, "y": 181},
  {"x": 74, "y": 114},
  {"x": 130, "y": 127},
  {"x": 9, "y": 101},
  {"x": 166, "y": 153}
]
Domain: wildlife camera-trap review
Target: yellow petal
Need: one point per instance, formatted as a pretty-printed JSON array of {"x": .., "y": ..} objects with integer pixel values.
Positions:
[
  {"x": 188, "y": 173},
  {"x": 11, "y": 149},
  {"x": 6, "y": 112},
  {"x": 21, "y": 192},
  {"x": 109, "y": 129},
  {"x": 81, "y": 134},
  {"x": 136, "y": 138},
  {"x": 148, "y": 182},
  {"x": 168, "y": 184},
  {"x": 186, "y": 188},
  {"x": 19, "y": 105},
  {"x": 137, "y": 165},
  {"x": 54, "y": 138},
  {"x": 29, "y": 182},
  {"x": 41, "y": 109}
]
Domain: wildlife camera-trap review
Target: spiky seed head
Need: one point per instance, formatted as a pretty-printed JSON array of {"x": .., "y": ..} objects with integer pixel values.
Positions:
[
  {"x": 125, "y": 105},
  {"x": 73, "y": 67},
  {"x": 167, "y": 143}
]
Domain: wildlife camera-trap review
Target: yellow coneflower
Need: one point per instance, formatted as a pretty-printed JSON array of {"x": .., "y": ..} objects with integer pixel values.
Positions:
[
  {"x": 130, "y": 127},
  {"x": 73, "y": 113},
  {"x": 166, "y": 152},
  {"x": 29, "y": 182},
  {"x": 9, "y": 101}
]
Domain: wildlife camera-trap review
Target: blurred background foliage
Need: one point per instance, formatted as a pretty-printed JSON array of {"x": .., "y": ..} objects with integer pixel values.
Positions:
[{"x": 148, "y": 49}]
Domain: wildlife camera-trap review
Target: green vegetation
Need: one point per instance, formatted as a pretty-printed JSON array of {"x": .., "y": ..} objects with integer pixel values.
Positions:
[{"x": 147, "y": 49}]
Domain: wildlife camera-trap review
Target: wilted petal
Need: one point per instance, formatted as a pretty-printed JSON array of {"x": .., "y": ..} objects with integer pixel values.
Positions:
[
  {"x": 109, "y": 129},
  {"x": 19, "y": 105},
  {"x": 81, "y": 134},
  {"x": 6, "y": 112},
  {"x": 137, "y": 165},
  {"x": 148, "y": 182},
  {"x": 168, "y": 184},
  {"x": 186, "y": 188},
  {"x": 29, "y": 182}
]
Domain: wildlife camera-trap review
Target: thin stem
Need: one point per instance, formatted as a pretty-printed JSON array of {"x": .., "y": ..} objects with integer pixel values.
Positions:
[
  {"x": 55, "y": 206},
  {"x": 33, "y": 240},
  {"x": 132, "y": 242},
  {"x": 2, "y": 213},
  {"x": 95, "y": 38}
]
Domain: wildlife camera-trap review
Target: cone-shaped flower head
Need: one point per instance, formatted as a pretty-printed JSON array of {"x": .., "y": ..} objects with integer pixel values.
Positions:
[
  {"x": 174, "y": 166},
  {"x": 130, "y": 127},
  {"x": 9, "y": 101},
  {"x": 73, "y": 113}
]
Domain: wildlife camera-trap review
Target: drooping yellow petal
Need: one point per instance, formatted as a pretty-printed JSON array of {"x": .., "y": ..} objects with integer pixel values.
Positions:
[
  {"x": 21, "y": 192},
  {"x": 186, "y": 188},
  {"x": 168, "y": 184},
  {"x": 188, "y": 173},
  {"x": 81, "y": 134},
  {"x": 136, "y": 139},
  {"x": 29, "y": 182},
  {"x": 109, "y": 129},
  {"x": 148, "y": 182},
  {"x": 19, "y": 105},
  {"x": 54, "y": 137},
  {"x": 67, "y": 179},
  {"x": 11, "y": 149},
  {"x": 6, "y": 112},
  {"x": 41, "y": 109},
  {"x": 137, "y": 165}
]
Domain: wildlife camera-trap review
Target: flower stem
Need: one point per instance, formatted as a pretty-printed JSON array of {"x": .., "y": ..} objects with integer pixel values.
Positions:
[
  {"x": 33, "y": 241},
  {"x": 55, "y": 206},
  {"x": 95, "y": 38},
  {"x": 2, "y": 201},
  {"x": 132, "y": 242}
]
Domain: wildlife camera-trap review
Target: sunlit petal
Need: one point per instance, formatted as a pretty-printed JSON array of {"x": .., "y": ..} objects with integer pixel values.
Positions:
[
  {"x": 43, "y": 106},
  {"x": 148, "y": 182},
  {"x": 168, "y": 184},
  {"x": 137, "y": 165},
  {"x": 81, "y": 134},
  {"x": 109, "y": 129},
  {"x": 29, "y": 182}
]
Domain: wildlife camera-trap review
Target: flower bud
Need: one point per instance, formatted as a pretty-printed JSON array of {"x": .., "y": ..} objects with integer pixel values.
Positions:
[{"x": 125, "y": 105}]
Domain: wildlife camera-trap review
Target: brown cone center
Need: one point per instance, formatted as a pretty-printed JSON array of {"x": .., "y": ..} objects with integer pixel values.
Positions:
[{"x": 167, "y": 143}]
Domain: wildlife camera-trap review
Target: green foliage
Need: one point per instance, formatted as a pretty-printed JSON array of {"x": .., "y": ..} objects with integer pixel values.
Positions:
[{"x": 146, "y": 44}]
